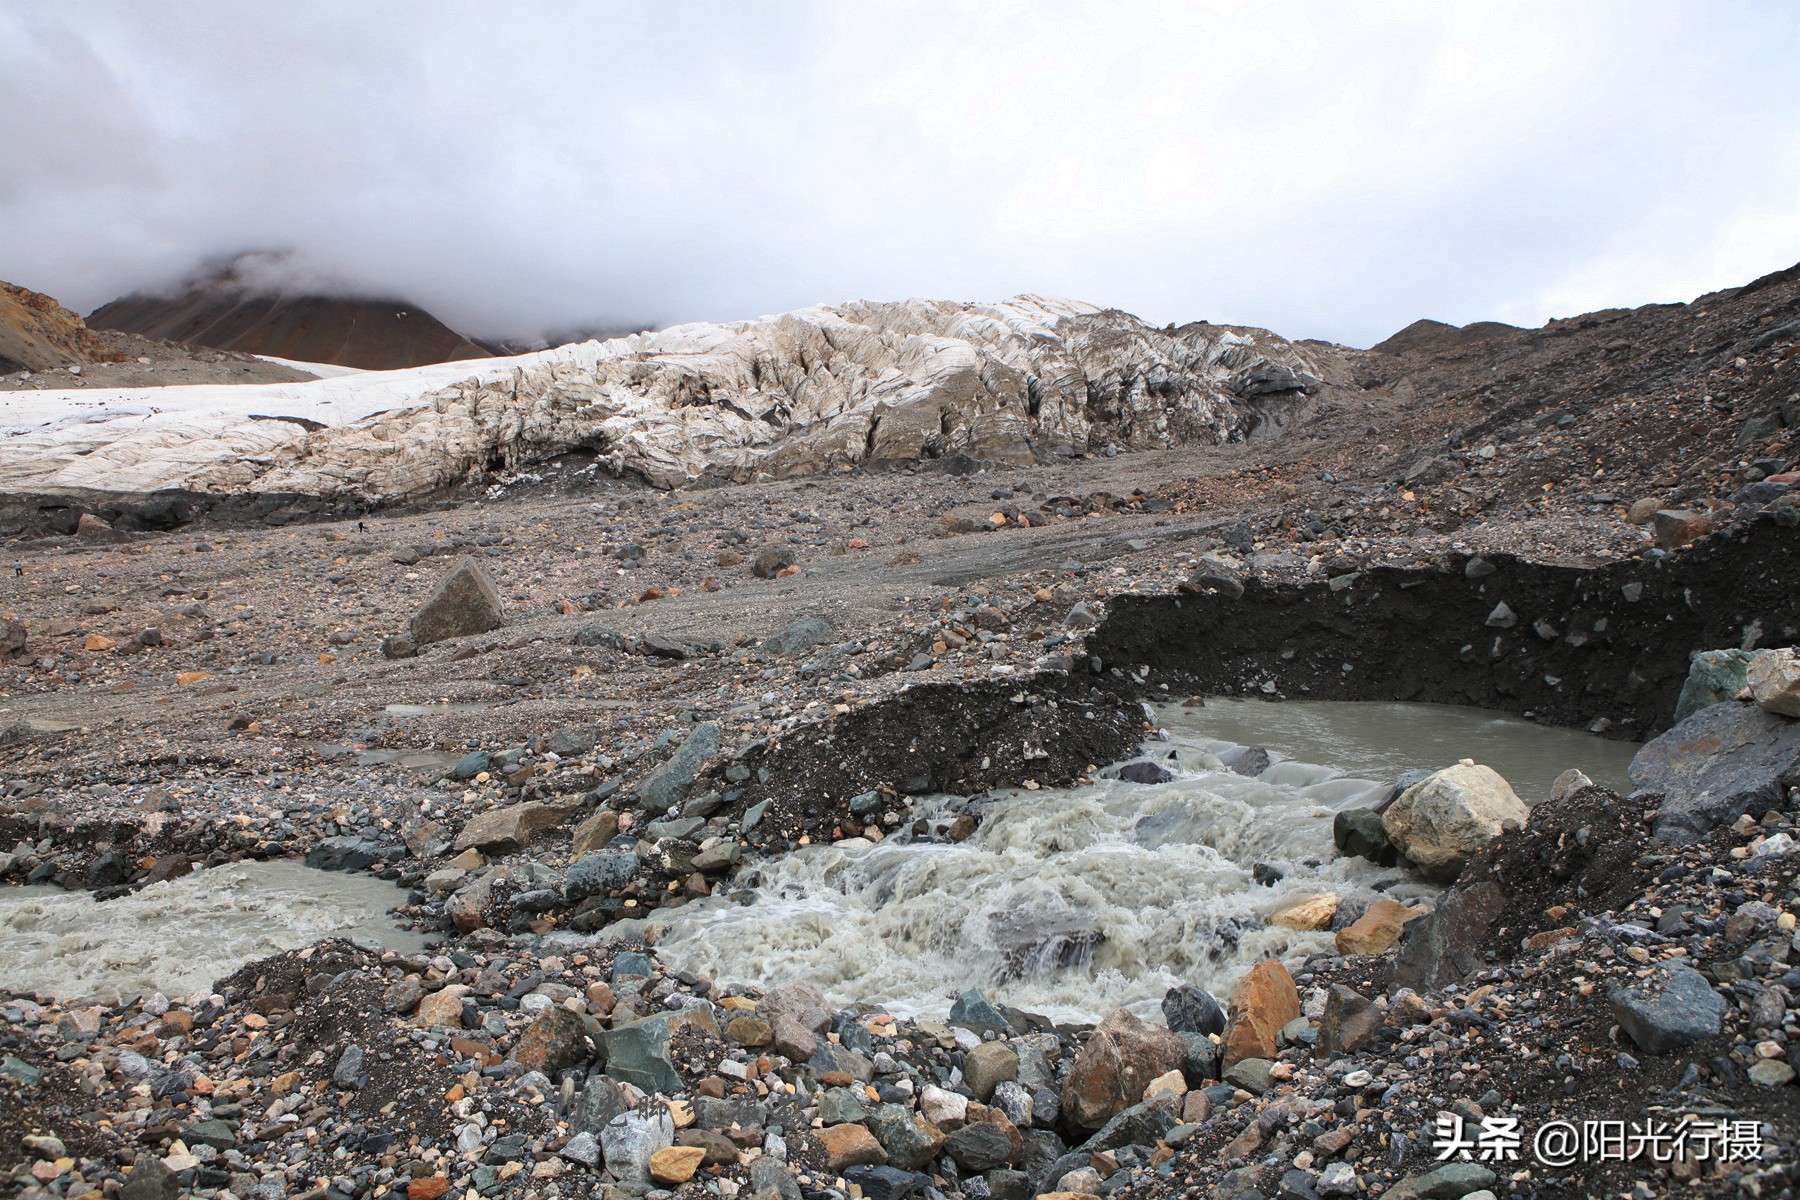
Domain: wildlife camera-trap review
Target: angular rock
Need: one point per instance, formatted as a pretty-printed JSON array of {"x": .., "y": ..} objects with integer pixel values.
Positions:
[
  {"x": 1674, "y": 1007},
  {"x": 1714, "y": 676},
  {"x": 669, "y": 783},
  {"x": 801, "y": 1002},
  {"x": 595, "y": 832},
  {"x": 150, "y": 1180},
  {"x": 1191, "y": 1009},
  {"x": 1312, "y": 913},
  {"x": 987, "y": 1066},
  {"x": 600, "y": 873},
  {"x": 465, "y": 603},
  {"x": 974, "y": 1011},
  {"x": 1139, "y": 1125},
  {"x": 799, "y": 636},
  {"x": 1358, "y": 833},
  {"x": 1676, "y": 527},
  {"x": 771, "y": 562},
  {"x": 1378, "y": 928},
  {"x": 1264, "y": 1000},
  {"x": 979, "y": 1146},
  {"x": 511, "y": 827},
  {"x": 1440, "y": 822},
  {"x": 629, "y": 1141},
  {"x": 638, "y": 1053},
  {"x": 1724, "y": 761},
  {"x": 1445, "y": 947},
  {"x": 1774, "y": 678},
  {"x": 675, "y": 1165},
  {"x": 1121, "y": 1057},
  {"x": 849, "y": 1146},
  {"x": 910, "y": 1140},
  {"x": 1349, "y": 1021},
  {"x": 554, "y": 1041}
]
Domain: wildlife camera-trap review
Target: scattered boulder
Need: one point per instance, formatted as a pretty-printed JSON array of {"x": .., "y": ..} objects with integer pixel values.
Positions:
[
  {"x": 1445, "y": 946},
  {"x": 1144, "y": 772},
  {"x": 511, "y": 827},
  {"x": 556, "y": 1040},
  {"x": 1676, "y": 527},
  {"x": 849, "y": 1146},
  {"x": 12, "y": 638},
  {"x": 1349, "y": 1021},
  {"x": 1378, "y": 928},
  {"x": 600, "y": 873},
  {"x": 799, "y": 636},
  {"x": 1264, "y": 1000},
  {"x": 1714, "y": 676},
  {"x": 799, "y": 1002},
  {"x": 465, "y": 603},
  {"x": 1191, "y": 1009},
  {"x": 638, "y": 1053},
  {"x": 1453, "y": 813},
  {"x": 1118, "y": 1062},
  {"x": 1358, "y": 833},
  {"x": 987, "y": 1066},
  {"x": 1312, "y": 913},
  {"x": 1674, "y": 1007},
  {"x": 669, "y": 783},
  {"x": 772, "y": 562},
  {"x": 1774, "y": 679},
  {"x": 1722, "y": 762},
  {"x": 630, "y": 1140}
]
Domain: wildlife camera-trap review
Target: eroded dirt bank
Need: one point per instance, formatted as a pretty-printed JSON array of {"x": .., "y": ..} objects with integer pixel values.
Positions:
[{"x": 1605, "y": 647}]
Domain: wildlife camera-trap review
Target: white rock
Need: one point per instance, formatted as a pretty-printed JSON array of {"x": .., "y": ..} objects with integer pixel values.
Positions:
[
  {"x": 1439, "y": 822},
  {"x": 942, "y": 1107},
  {"x": 1775, "y": 681}
]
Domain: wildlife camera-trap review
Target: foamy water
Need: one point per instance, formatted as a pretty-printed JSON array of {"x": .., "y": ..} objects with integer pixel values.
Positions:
[
  {"x": 1074, "y": 902},
  {"x": 179, "y": 937}
]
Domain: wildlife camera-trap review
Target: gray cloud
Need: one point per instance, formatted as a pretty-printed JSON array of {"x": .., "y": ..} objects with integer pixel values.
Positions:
[{"x": 1326, "y": 169}]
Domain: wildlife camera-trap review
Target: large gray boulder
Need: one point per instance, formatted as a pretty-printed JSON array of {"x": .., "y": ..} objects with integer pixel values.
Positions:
[
  {"x": 1724, "y": 761},
  {"x": 669, "y": 783},
  {"x": 465, "y": 603},
  {"x": 1674, "y": 1007},
  {"x": 800, "y": 635},
  {"x": 1452, "y": 814}
]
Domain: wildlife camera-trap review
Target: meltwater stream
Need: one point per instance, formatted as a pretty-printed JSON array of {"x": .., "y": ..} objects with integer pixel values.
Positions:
[
  {"x": 182, "y": 936},
  {"x": 1075, "y": 902}
]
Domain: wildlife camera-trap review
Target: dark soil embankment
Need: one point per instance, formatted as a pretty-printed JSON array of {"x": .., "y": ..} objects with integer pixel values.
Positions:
[
  {"x": 941, "y": 738},
  {"x": 1605, "y": 647}
]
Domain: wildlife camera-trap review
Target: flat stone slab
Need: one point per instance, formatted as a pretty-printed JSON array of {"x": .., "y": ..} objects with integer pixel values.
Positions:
[{"x": 1726, "y": 760}]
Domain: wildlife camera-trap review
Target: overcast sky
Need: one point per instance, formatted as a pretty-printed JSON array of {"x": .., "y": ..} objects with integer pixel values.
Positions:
[{"x": 1329, "y": 170}]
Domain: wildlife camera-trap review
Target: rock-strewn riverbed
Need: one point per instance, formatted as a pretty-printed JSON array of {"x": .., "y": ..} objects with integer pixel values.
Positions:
[{"x": 682, "y": 685}]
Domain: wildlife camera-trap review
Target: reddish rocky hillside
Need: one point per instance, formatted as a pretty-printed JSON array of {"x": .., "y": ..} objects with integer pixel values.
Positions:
[{"x": 220, "y": 312}]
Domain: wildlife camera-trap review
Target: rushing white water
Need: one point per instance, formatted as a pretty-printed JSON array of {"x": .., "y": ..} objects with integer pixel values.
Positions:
[
  {"x": 1074, "y": 902},
  {"x": 180, "y": 937}
]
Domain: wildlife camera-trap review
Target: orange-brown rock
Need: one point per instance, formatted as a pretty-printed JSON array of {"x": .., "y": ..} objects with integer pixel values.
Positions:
[
  {"x": 1264, "y": 1000},
  {"x": 1120, "y": 1060},
  {"x": 1378, "y": 928},
  {"x": 849, "y": 1146}
]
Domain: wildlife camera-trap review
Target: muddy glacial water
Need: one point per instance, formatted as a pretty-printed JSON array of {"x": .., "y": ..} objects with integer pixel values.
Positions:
[
  {"x": 180, "y": 937},
  {"x": 1074, "y": 902}
]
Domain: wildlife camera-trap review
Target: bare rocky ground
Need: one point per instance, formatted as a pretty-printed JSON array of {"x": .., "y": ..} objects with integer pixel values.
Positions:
[
  {"x": 151, "y": 362},
  {"x": 223, "y": 691}
]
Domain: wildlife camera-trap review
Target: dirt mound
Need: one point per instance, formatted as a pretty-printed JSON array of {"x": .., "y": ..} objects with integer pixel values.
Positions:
[
  {"x": 37, "y": 333},
  {"x": 225, "y": 313}
]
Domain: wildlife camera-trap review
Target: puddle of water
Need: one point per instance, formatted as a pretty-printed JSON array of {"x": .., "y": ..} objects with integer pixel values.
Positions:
[
  {"x": 1381, "y": 740},
  {"x": 1072, "y": 903},
  {"x": 430, "y": 710},
  {"x": 408, "y": 759},
  {"x": 180, "y": 937}
]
